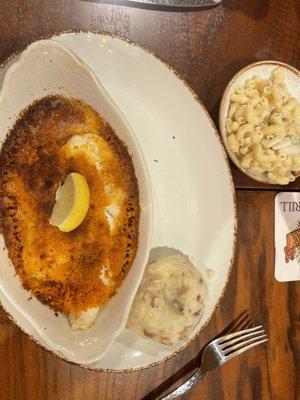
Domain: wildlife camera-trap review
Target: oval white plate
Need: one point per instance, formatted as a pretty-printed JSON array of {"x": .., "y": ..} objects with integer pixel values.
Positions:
[
  {"x": 264, "y": 70},
  {"x": 194, "y": 207},
  {"x": 50, "y": 67}
]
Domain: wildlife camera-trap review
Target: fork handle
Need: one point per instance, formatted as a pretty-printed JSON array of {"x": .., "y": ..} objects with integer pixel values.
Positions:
[{"x": 185, "y": 387}]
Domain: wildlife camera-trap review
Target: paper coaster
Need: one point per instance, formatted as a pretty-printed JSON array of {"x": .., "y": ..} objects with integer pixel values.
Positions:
[{"x": 287, "y": 236}]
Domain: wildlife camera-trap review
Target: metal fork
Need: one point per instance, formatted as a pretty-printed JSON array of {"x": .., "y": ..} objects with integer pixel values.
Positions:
[{"x": 218, "y": 352}]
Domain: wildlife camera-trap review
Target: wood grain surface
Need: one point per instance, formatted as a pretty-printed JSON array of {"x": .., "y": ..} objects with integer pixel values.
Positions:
[{"x": 206, "y": 48}]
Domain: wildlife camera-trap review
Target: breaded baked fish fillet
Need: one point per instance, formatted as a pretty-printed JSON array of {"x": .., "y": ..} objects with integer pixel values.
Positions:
[{"x": 70, "y": 272}]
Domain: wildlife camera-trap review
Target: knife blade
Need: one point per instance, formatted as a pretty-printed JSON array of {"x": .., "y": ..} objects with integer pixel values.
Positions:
[
  {"x": 164, "y": 3},
  {"x": 179, "y": 3}
]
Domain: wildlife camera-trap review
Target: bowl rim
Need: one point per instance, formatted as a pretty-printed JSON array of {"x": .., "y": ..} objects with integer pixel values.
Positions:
[
  {"x": 53, "y": 35},
  {"x": 222, "y": 111}
]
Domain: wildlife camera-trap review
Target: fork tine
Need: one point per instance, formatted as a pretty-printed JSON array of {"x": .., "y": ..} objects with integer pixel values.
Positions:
[
  {"x": 229, "y": 343},
  {"x": 243, "y": 349},
  {"x": 242, "y": 344},
  {"x": 224, "y": 338}
]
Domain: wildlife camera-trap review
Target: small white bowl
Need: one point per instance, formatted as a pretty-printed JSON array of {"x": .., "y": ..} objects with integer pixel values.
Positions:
[
  {"x": 264, "y": 70},
  {"x": 48, "y": 67}
]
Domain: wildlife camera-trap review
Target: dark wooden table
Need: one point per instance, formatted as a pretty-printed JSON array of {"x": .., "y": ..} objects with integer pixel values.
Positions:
[{"x": 206, "y": 48}]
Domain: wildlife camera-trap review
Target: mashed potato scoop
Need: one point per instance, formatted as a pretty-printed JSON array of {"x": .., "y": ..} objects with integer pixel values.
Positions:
[{"x": 169, "y": 302}]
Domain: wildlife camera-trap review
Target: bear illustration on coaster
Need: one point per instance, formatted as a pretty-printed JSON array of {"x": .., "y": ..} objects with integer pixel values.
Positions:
[{"x": 292, "y": 248}]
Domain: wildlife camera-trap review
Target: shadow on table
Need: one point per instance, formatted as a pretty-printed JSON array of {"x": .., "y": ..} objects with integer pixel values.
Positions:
[
  {"x": 242, "y": 321},
  {"x": 256, "y": 9},
  {"x": 136, "y": 4}
]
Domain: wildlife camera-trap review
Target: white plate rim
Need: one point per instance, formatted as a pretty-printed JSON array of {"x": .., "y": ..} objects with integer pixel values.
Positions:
[{"x": 234, "y": 202}]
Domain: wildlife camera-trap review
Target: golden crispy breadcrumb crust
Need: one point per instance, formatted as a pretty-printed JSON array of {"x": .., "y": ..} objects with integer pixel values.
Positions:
[{"x": 62, "y": 269}]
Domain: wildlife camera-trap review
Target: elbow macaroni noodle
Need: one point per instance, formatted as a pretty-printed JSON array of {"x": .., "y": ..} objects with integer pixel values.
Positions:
[{"x": 263, "y": 129}]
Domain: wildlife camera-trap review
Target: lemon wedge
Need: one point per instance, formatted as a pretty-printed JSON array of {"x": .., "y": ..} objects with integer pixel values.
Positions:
[{"x": 72, "y": 201}]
